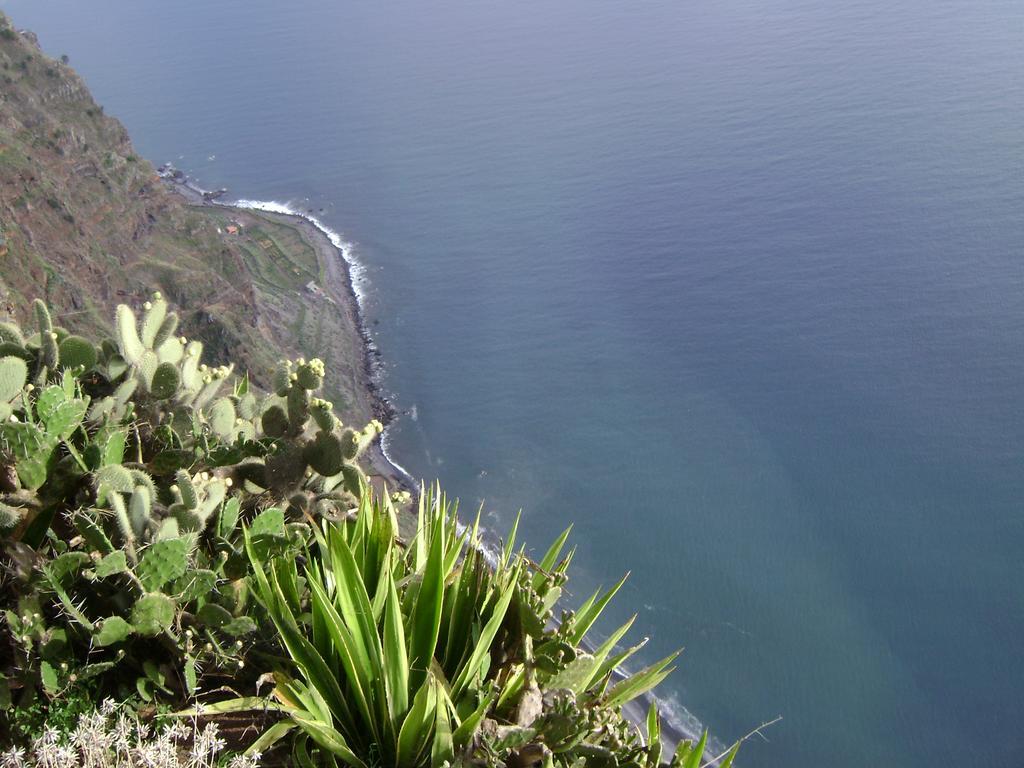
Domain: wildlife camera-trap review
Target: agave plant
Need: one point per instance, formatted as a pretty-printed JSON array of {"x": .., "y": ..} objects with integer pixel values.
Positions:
[{"x": 426, "y": 654}]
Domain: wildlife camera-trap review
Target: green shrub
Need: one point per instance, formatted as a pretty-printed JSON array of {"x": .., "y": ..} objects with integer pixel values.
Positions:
[{"x": 425, "y": 654}]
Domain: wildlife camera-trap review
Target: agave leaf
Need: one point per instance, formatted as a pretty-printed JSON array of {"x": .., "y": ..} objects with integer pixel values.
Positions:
[
  {"x": 426, "y": 613},
  {"x": 327, "y": 737},
  {"x": 587, "y": 615},
  {"x": 442, "y": 749},
  {"x": 730, "y": 756},
  {"x": 396, "y": 660},
  {"x": 344, "y": 647},
  {"x": 691, "y": 754},
  {"x": 241, "y": 704},
  {"x": 354, "y": 604},
  {"x": 583, "y": 671},
  {"x": 481, "y": 651},
  {"x": 512, "y": 687},
  {"x": 467, "y": 729},
  {"x": 415, "y": 732},
  {"x": 640, "y": 683},
  {"x": 506, "y": 551},
  {"x": 271, "y": 736},
  {"x": 299, "y": 648},
  {"x": 653, "y": 736},
  {"x": 547, "y": 563}
]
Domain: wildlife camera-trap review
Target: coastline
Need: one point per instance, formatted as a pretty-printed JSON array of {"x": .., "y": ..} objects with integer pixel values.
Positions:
[
  {"x": 342, "y": 278},
  {"x": 341, "y": 275}
]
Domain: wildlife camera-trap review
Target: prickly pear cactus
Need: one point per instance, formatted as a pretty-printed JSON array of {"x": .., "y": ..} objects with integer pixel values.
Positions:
[
  {"x": 162, "y": 562},
  {"x": 76, "y": 352},
  {"x": 131, "y": 469},
  {"x": 13, "y": 375}
]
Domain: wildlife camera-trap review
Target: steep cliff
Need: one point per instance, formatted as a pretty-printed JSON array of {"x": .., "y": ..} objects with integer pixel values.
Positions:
[{"x": 87, "y": 224}]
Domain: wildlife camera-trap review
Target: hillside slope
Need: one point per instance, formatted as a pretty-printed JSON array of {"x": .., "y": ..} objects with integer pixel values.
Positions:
[{"x": 87, "y": 224}]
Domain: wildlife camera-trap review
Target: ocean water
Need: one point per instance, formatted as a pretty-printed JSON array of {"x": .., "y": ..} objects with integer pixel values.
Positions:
[{"x": 736, "y": 286}]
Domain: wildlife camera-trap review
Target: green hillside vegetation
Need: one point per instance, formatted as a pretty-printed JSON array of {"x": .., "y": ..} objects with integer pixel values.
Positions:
[{"x": 86, "y": 224}]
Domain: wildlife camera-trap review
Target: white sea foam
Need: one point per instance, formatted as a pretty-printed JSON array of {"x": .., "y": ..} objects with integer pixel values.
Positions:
[
  {"x": 356, "y": 269},
  {"x": 385, "y": 448},
  {"x": 358, "y": 274}
]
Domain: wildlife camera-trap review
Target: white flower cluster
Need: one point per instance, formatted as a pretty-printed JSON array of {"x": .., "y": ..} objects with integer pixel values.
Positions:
[{"x": 110, "y": 738}]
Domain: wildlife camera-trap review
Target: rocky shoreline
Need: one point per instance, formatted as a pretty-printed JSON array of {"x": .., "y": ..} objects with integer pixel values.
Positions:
[{"x": 338, "y": 287}]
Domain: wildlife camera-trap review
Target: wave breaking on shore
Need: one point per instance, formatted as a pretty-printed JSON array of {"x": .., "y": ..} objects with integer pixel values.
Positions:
[
  {"x": 359, "y": 281},
  {"x": 357, "y": 269}
]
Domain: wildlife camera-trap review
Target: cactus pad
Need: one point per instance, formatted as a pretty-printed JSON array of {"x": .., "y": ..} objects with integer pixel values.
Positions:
[
  {"x": 113, "y": 630},
  {"x": 112, "y": 478},
  {"x": 76, "y": 352},
  {"x": 112, "y": 564},
  {"x": 61, "y": 415},
  {"x": 189, "y": 498},
  {"x": 13, "y": 374},
  {"x": 269, "y": 522},
  {"x": 94, "y": 536},
  {"x": 31, "y": 448},
  {"x": 152, "y": 319},
  {"x": 152, "y": 614},
  {"x": 11, "y": 334},
  {"x": 140, "y": 511},
  {"x": 275, "y": 421},
  {"x": 166, "y": 380},
  {"x": 310, "y": 375},
  {"x": 9, "y": 516},
  {"x": 324, "y": 454},
  {"x": 128, "y": 341},
  {"x": 167, "y": 329},
  {"x": 213, "y": 615},
  {"x": 298, "y": 408},
  {"x": 222, "y": 418},
  {"x": 162, "y": 562},
  {"x": 148, "y": 364}
]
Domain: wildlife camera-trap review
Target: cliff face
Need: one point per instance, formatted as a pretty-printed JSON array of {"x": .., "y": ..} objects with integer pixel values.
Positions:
[{"x": 88, "y": 224}]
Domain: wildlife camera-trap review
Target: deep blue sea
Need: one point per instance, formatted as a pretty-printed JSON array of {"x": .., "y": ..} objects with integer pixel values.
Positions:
[{"x": 736, "y": 286}]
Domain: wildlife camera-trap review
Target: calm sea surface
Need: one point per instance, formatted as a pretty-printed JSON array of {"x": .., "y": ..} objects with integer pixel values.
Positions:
[{"x": 737, "y": 286}]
